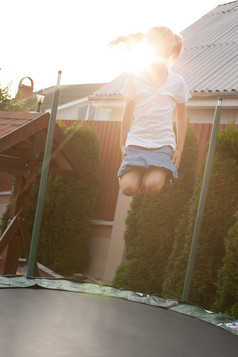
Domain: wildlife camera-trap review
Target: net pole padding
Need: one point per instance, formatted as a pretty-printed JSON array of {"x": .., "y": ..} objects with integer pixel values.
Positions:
[
  {"x": 43, "y": 180},
  {"x": 202, "y": 202}
]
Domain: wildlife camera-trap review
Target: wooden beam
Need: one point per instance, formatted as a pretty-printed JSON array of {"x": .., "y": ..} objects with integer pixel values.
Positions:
[
  {"x": 10, "y": 231},
  {"x": 19, "y": 202},
  {"x": 58, "y": 160},
  {"x": 18, "y": 154},
  {"x": 10, "y": 256},
  {"x": 14, "y": 166},
  {"x": 72, "y": 156},
  {"x": 13, "y": 162}
]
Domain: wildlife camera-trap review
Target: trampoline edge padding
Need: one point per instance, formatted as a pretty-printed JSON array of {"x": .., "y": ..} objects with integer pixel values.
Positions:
[{"x": 217, "y": 319}]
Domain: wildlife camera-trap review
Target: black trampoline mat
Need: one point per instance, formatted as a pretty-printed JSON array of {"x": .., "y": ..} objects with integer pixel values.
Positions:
[{"x": 48, "y": 323}]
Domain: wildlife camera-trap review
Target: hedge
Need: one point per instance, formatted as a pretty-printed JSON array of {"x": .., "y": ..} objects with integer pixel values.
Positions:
[
  {"x": 150, "y": 227},
  {"x": 218, "y": 218},
  {"x": 226, "y": 299}
]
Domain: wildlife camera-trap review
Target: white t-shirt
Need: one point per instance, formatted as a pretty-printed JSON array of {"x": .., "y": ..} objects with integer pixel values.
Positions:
[{"x": 152, "y": 126}]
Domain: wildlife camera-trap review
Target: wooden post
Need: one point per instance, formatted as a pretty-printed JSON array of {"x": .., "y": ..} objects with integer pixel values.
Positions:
[
  {"x": 11, "y": 253},
  {"x": 17, "y": 231}
]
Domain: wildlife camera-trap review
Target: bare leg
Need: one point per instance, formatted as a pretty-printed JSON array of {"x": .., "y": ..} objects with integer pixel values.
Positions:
[
  {"x": 131, "y": 181},
  {"x": 153, "y": 180}
]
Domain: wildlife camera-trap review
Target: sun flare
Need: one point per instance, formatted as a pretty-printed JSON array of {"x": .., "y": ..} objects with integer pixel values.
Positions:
[
  {"x": 135, "y": 58},
  {"x": 140, "y": 56},
  {"x": 132, "y": 58}
]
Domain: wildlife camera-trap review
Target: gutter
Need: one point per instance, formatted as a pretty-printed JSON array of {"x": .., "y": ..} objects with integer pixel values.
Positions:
[
  {"x": 215, "y": 94},
  {"x": 209, "y": 102}
]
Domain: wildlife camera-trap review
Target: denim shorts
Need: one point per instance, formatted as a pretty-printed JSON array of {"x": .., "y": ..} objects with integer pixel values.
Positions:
[{"x": 143, "y": 157}]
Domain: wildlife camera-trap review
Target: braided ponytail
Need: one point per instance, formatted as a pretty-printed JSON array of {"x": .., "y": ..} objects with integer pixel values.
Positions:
[
  {"x": 161, "y": 38},
  {"x": 128, "y": 40}
]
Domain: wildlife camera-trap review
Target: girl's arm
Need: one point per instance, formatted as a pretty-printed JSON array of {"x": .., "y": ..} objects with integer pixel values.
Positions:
[
  {"x": 181, "y": 124},
  {"x": 127, "y": 119}
]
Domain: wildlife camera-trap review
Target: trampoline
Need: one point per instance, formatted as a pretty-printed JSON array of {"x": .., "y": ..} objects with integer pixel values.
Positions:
[{"x": 59, "y": 317}]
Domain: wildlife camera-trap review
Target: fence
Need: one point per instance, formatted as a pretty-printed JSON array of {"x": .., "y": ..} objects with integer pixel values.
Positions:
[{"x": 108, "y": 133}]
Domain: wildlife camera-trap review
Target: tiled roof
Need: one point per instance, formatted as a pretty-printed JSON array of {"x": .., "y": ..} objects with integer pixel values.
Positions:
[
  {"x": 209, "y": 62},
  {"x": 11, "y": 121}
]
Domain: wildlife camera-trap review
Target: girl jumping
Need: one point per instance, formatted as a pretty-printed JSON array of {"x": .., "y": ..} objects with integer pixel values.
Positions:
[{"x": 148, "y": 146}]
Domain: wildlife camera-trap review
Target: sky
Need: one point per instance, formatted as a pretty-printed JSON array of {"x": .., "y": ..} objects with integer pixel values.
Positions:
[{"x": 39, "y": 38}]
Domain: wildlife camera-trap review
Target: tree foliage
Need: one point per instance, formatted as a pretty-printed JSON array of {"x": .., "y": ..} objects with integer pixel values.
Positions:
[
  {"x": 150, "y": 227},
  {"x": 16, "y": 104}
]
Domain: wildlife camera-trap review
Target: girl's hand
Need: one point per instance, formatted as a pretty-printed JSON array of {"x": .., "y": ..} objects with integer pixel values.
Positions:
[
  {"x": 176, "y": 158},
  {"x": 123, "y": 151}
]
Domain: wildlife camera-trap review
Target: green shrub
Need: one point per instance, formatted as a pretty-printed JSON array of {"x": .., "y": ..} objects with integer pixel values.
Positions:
[
  {"x": 226, "y": 299},
  {"x": 150, "y": 227},
  {"x": 218, "y": 218},
  {"x": 68, "y": 210}
]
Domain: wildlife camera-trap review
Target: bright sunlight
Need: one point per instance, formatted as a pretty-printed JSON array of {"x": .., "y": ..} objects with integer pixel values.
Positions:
[{"x": 136, "y": 58}]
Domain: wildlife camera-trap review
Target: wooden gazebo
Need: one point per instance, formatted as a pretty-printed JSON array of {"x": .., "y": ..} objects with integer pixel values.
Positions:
[{"x": 22, "y": 145}]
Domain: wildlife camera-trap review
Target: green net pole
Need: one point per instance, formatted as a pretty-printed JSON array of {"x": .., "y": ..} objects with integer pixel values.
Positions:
[
  {"x": 43, "y": 180},
  {"x": 202, "y": 201}
]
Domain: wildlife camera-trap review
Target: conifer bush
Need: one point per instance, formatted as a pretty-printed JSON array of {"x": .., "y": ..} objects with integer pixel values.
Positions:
[
  {"x": 68, "y": 210},
  {"x": 226, "y": 299},
  {"x": 150, "y": 227},
  {"x": 218, "y": 218}
]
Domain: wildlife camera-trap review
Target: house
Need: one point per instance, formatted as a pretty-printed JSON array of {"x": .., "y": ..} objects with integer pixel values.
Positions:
[{"x": 73, "y": 101}]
